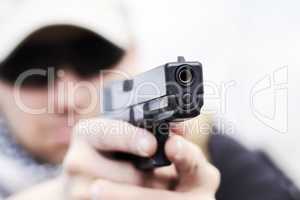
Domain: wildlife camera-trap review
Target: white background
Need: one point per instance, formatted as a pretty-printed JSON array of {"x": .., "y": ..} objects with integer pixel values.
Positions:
[{"x": 240, "y": 41}]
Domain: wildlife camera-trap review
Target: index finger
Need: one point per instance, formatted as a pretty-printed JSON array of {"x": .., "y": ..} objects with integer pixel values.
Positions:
[{"x": 116, "y": 136}]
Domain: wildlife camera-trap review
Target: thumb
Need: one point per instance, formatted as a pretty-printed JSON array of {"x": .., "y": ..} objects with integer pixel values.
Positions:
[
  {"x": 196, "y": 130},
  {"x": 194, "y": 170}
]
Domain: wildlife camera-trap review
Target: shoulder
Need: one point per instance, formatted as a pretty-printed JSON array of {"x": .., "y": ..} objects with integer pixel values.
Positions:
[{"x": 248, "y": 174}]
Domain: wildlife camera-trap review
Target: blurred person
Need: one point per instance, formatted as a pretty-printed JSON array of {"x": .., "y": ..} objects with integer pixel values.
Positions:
[{"x": 44, "y": 155}]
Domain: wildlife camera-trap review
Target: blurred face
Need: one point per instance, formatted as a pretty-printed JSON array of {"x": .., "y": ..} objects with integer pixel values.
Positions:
[
  {"x": 46, "y": 134},
  {"x": 41, "y": 113}
]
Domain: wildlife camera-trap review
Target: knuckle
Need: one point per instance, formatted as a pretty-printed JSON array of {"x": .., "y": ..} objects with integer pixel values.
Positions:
[
  {"x": 190, "y": 167},
  {"x": 72, "y": 163},
  {"x": 70, "y": 167}
]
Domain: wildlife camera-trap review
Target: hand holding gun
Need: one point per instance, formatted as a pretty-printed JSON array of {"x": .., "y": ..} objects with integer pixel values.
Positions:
[{"x": 174, "y": 92}]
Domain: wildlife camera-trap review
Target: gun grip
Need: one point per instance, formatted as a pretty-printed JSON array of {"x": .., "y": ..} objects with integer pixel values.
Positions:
[{"x": 159, "y": 159}]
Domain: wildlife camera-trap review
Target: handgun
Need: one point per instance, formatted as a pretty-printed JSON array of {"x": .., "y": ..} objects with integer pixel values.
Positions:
[{"x": 172, "y": 92}]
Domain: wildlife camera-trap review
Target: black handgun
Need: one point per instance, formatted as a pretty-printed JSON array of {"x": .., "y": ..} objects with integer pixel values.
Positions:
[{"x": 169, "y": 93}]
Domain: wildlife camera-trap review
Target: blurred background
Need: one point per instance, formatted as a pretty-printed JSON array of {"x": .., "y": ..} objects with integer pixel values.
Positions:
[{"x": 250, "y": 53}]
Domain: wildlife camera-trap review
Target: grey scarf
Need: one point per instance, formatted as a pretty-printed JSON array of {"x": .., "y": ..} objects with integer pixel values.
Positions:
[{"x": 18, "y": 170}]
